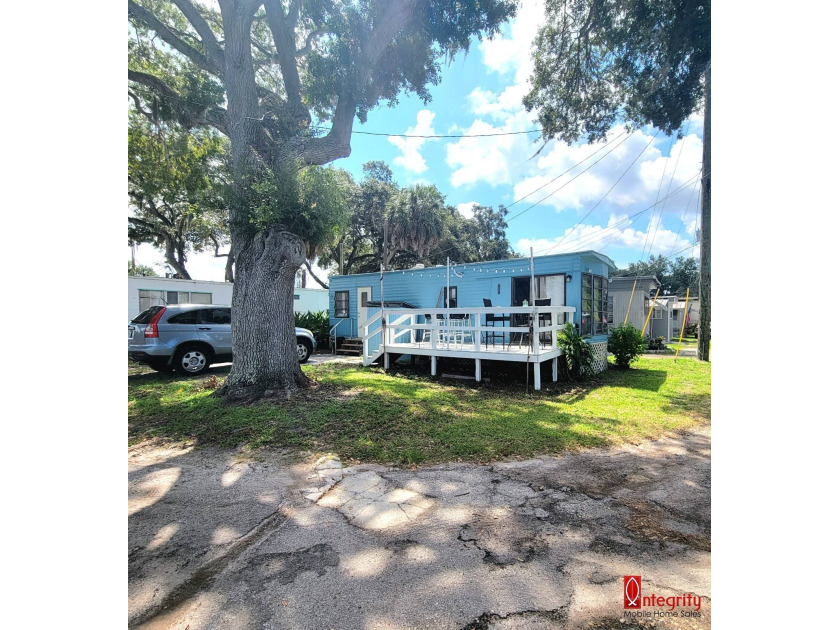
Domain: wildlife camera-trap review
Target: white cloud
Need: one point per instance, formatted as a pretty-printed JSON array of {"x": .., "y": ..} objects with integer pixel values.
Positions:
[
  {"x": 511, "y": 52},
  {"x": 487, "y": 158},
  {"x": 466, "y": 209},
  {"x": 410, "y": 157},
  {"x": 619, "y": 232}
]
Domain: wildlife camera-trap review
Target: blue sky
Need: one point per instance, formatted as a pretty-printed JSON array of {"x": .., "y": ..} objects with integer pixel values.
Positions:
[{"x": 605, "y": 208}]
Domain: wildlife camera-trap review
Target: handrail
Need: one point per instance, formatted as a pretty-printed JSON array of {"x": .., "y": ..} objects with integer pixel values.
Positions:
[
  {"x": 456, "y": 310},
  {"x": 334, "y": 337},
  {"x": 400, "y": 321}
]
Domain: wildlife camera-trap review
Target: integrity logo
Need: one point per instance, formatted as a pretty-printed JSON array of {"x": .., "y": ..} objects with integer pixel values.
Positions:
[
  {"x": 634, "y": 600},
  {"x": 632, "y": 591}
]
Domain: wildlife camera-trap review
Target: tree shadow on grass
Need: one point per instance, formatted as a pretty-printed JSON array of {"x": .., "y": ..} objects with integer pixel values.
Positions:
[{"x": 692, "y": 404}]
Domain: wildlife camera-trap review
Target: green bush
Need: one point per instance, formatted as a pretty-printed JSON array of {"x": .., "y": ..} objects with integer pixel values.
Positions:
[
  {"x": 319, "y": 323},
  {"x": 580, "y": 356},
  {"x": 626, "y": 344}
]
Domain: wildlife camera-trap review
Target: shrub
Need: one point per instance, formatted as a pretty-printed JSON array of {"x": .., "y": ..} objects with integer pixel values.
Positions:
[
  {"x": 655, "y": 343},
  {"x": 319, "y": 323},
  {"x": 580, "y": 356},
  {"x": 626, "y": 344}
]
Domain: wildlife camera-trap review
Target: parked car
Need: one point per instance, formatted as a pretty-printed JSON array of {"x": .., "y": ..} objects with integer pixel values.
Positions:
[{"x": 190, "y": 338}]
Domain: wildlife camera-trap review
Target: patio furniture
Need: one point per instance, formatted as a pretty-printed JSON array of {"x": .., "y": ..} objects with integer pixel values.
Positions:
[{"x": 490, "y": 320}]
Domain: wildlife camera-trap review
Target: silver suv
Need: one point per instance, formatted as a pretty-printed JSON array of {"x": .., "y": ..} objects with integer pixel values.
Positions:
[{"x": 190, "y": 337}]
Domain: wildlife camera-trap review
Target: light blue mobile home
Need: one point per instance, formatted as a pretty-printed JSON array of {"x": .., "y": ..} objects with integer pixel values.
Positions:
[{"x": 577, "y": 279}]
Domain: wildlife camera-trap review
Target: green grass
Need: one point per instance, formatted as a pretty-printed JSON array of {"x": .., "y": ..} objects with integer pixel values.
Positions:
[{"x": 406, "y": 417}]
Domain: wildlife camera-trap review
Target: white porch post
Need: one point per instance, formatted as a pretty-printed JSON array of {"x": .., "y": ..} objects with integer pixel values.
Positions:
[
  {"x": 365, "y": 343},
  {"x": 434, "y": 365},
  {"x": 554, "y": 369},
  {"x": 478, "y": 370},
  {"x": 536, "y": 375},
  {"x": 387, "y": 360}
]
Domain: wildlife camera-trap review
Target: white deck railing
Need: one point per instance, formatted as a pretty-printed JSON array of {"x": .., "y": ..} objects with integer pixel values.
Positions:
[{"x": 446, "y": 333}]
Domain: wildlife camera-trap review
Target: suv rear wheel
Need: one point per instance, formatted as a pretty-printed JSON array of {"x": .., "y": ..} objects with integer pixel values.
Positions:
[
  {"x": 304, "y": 349},
  {"x": 192, "y": 360}
]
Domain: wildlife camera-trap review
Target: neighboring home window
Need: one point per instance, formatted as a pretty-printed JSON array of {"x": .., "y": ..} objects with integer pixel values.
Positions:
[
  {"x": 610, "y": 309},
  {"x": 297, "y": 296},
  {"x": 593, "y": 305},
  {"x": 342, "y": 303},
  {"x": 657, "y": 313},
  {"x": 164, "y": 298}
]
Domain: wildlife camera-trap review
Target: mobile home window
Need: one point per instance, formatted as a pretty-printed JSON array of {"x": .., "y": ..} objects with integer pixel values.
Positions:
[
  {"x": 593, "y": 305},
  {"x": 610, "y": 309},
  {"x": 657, "y": 313},
  {"x": 342, "y": 303}
]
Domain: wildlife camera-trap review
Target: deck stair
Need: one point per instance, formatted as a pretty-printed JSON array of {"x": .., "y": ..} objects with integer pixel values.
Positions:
[{"x": 352, "y": 346}]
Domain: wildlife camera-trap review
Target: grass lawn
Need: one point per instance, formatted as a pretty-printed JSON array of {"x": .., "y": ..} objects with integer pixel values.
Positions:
[
  {"x": 687, "y": 342},
  {"x": 406, "y": 417}
]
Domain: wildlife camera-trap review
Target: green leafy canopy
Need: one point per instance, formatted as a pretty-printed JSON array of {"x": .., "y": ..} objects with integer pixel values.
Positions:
[{"x": 597, "y": 62}]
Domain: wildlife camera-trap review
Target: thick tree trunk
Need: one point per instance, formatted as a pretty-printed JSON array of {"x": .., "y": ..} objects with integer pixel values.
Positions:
[
  {"x": 265, "y": 363},
  {"x": 704, "y": 329}
]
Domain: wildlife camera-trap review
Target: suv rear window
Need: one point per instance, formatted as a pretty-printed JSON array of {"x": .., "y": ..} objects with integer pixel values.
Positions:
[
  {"x": 146, "y": 316},
  {"x": 214, "y": 316},
  {"x": 188, "y": 317}
]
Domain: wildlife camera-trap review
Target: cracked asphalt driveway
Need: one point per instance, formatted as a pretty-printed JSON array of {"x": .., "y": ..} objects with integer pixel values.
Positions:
[{"x": 215, "y": 542}]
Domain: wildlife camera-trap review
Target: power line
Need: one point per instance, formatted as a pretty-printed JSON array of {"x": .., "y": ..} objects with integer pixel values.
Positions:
[
  {"x": 431, "y": 136},
  {"x": 634, "y": 217},
  {"x": 670, "y": 183},
  {"x": 682, "y": 218},
  {"x": 561, "y": 187},
  {"x": 608, "y": 192},
  {"x": 658, "y": 190}
]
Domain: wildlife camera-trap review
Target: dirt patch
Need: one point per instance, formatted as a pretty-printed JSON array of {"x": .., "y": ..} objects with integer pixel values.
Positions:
[{"x": 651, "y": 523}]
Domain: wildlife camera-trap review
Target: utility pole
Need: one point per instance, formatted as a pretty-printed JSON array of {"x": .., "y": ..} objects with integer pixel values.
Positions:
[
  {"x": 704, "y": 329},
  {"x": 385, "y": 243}
]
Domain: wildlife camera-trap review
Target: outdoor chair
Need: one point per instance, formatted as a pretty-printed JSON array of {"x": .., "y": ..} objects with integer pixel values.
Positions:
[{"x": 490, "y": 320}]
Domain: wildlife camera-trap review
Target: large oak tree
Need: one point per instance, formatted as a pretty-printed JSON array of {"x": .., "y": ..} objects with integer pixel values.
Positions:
[{"x": 260, "y": 72}]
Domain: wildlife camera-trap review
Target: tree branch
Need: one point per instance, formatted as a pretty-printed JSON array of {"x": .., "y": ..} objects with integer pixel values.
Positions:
[
  {"x": 167, "y": 35},
  {"x": 139, "y": 106},
  {"x": 191, "y": 113},
  {"x": 282, "y": 29},
  {"x": 215, "y": 54},
  {"x": 309, "y": 39},
  {"x": 312, "y": 273}
]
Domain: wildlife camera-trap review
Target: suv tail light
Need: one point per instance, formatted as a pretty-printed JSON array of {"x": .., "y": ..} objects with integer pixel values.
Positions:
[{"x": 151, "y": 327}]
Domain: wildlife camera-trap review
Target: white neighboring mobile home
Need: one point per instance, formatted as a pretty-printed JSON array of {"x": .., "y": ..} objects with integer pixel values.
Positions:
[{"x": 145, "y": 291}]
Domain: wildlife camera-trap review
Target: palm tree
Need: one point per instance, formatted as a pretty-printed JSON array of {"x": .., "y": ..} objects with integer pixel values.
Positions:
[{"x": 416, "y": 220}]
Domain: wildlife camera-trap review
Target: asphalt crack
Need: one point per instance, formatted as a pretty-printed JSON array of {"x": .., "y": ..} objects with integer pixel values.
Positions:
[
  {"x": 486, "y": 620},
  {"x": 206, "y": 574}
]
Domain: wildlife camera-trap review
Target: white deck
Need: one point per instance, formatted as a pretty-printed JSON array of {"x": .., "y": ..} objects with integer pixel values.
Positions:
[{"x": 411, "y": 332}]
